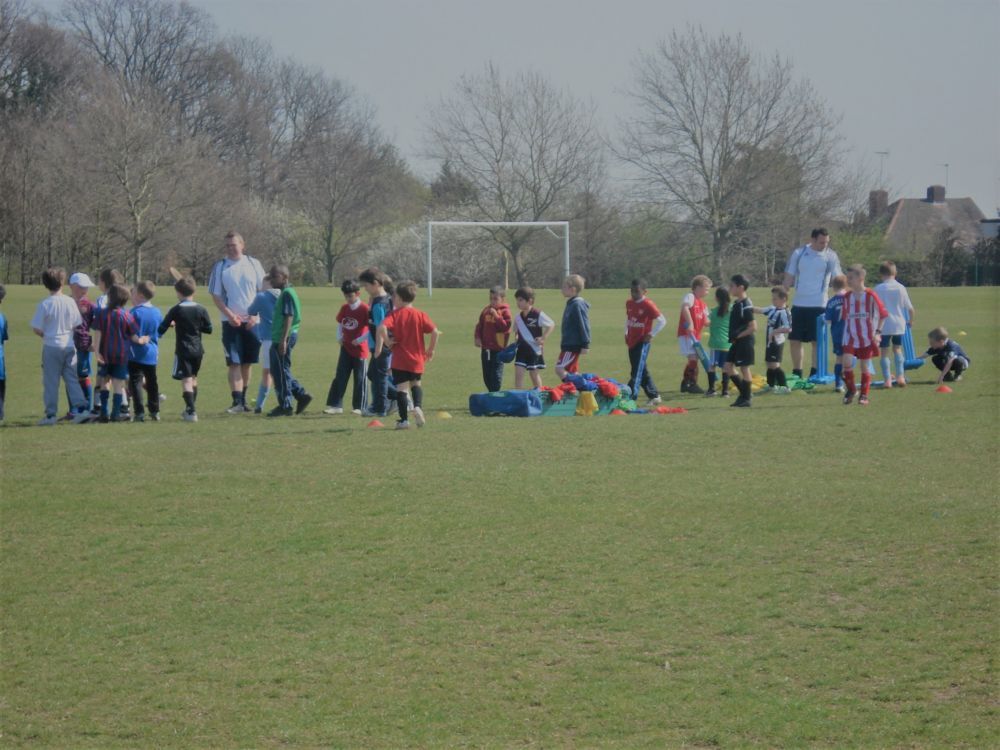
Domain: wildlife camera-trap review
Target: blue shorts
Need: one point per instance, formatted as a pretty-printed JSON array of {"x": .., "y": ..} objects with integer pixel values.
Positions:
[
  {"x": 241, "y": 345},
  {"x": 720, "y": 357},
  {"x": 838, "y": 348},
  {"x": 896, "y": 339},
  {"x": 82, "y": 363},
  {"x": 118, "y": 371}
]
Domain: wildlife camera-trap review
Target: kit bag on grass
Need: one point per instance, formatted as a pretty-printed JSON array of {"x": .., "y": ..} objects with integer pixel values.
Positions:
[{"x": 506, "y": 404}]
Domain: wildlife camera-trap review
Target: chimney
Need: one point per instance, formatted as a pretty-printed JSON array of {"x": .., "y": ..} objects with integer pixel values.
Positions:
[
  {"x": 935, "y": 194},
  {"x": 878, "y": 204}
]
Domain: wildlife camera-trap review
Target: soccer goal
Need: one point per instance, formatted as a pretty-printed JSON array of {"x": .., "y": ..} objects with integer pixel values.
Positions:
[{"x": 488, "y": 224}]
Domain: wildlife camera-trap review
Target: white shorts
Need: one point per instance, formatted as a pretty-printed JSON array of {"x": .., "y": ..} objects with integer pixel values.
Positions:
[
  {"x": 265, "y": 355},
  {"x": 686, "y": 345}
]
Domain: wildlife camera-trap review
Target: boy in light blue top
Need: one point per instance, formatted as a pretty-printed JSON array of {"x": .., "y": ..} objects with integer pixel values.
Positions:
[{"x": 262, "y": 308}]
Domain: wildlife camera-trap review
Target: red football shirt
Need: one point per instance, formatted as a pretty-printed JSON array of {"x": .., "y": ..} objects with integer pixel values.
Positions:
[
  {"x": 639, "y": 319},
  {"x": 862, "y": 312},
  {"x": 699, "y": 316},
  {"x": 353, "y": 325},
  {"x": 408, "y": 326}
]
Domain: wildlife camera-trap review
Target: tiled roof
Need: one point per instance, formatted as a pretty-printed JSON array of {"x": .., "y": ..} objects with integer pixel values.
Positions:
[{"x": 916, "y": 224}]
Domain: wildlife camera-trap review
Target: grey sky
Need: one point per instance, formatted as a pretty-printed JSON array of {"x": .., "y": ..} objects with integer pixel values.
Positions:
[{"x": 914, "y": 77}]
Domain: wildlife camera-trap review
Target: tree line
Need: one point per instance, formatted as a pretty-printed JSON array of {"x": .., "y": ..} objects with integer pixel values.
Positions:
[{"x": 134, "y": 134}]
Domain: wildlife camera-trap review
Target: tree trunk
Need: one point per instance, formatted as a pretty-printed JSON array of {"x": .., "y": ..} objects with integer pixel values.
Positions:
[
  {"x": 329, "y": 260},
  {"x": 519, "y": 270},
  {"x": 717, "y": 254}
]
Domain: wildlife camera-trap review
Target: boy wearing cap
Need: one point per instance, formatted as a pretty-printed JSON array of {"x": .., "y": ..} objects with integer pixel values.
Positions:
[{"x": 79, "y": 285}]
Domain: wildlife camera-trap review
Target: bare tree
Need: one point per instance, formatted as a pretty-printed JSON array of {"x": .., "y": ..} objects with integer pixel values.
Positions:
[
  {"x": 721, "y": 134},
  {"x": 150, "y": 44},
  {"x": 137, "y": 169},
  {"x": 523, "y": 146}
]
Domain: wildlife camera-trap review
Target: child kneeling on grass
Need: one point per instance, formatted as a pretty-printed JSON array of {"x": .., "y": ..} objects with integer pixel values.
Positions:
[
  {"x": 408, "y": 326},
  {"x": 946, "y": 355}
]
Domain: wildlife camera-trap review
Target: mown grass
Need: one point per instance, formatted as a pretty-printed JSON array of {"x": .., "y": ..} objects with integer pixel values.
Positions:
[{"x": 799, "y": 574}]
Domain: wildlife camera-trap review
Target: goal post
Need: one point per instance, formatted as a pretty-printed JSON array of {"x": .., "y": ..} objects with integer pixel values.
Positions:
[{"x": 488, "y": 224}]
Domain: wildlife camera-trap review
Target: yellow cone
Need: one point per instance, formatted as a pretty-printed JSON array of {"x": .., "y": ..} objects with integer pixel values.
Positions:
[{"x": 444, "y": 415}]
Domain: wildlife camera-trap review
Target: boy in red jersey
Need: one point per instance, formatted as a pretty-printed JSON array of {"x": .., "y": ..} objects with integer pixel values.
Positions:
[
  {"x": 492, "y": 333},
  {"x": 863, "y": 313},
  {"x": 693, "y": 317},
  {"x": 352, "y": 333},
  {"x": 408, "y": 326},
  {"x": 643, "y": 320}
]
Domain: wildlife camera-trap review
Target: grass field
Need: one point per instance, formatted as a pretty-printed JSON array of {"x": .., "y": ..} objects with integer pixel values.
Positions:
[{"x": 796, "y": 574}]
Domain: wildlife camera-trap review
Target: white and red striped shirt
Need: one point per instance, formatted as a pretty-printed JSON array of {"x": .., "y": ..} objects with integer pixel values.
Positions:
[{"x": 862, "y": 313}]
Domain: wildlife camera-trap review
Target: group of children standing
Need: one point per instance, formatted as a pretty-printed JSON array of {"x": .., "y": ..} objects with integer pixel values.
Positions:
[
  {"x": 384, "y": 341},
  {"x": 865, "y": 324}
]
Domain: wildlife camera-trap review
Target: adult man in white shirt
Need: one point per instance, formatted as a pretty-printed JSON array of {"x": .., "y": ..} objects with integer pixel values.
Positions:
[
  {"x": 233, "y": 284},
  {"x": 809, "y": 269}
]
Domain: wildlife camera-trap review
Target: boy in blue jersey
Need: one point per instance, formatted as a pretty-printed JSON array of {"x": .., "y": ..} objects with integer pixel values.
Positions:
[
  {"x": 3, "y": 360},
  {"x": 143, "y": 357},
  {"x": 262, "y": 308},
  {"x": 834, "y": 316},
  {"x": 379, "y": 288},
  {"x": 946, "y": 355},
  {"x": 189, "y": 320}
]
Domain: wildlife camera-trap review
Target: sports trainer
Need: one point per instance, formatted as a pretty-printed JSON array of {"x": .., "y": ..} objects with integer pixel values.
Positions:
[
  {"x": 809, "y": 270},
  {"x": 233, "y": 284}
]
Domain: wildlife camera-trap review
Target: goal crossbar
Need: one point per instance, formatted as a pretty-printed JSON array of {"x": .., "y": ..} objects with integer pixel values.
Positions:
[{"x": 490, "y": 224}]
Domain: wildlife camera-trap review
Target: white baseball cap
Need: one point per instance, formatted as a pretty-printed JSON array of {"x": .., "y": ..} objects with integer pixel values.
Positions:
[{"x": 81, "y": 279}]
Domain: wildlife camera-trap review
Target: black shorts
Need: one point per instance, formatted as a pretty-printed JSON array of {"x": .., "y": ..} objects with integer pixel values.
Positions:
[
  {"x": 404, "y": 376},
  {"x": 525, "y": 357},
  {"x": 741, "y": 352},
  {"x": 241, "y": 345},
  {"x": 804, "y": 323},
  {"x": 773, "y": 352},
  {"x": 186, "y": 366}
]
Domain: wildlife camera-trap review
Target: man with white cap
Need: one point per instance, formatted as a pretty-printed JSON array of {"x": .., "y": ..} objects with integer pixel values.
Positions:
[{"x": 79, "y": 284}]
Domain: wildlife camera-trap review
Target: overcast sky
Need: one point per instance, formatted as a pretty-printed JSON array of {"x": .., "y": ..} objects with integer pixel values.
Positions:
[{"x": 913, "y": 77}]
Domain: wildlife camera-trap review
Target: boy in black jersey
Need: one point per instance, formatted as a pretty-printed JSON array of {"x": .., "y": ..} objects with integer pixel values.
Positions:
[
  {"x": 190, "y": 320},
  {"x": 742, "y": 327}
]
